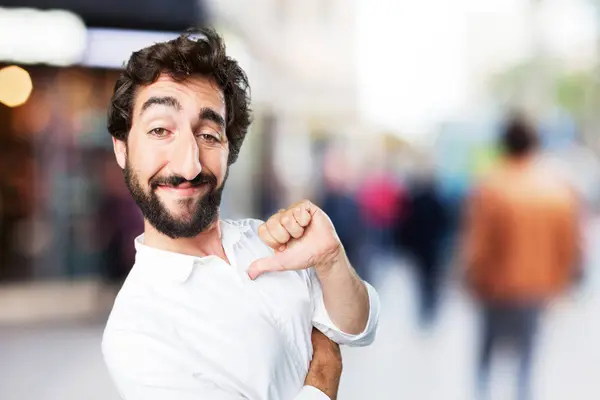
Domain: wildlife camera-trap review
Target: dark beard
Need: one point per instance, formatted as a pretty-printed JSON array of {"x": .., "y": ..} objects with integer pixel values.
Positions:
[{"x": 202, "y": 214}]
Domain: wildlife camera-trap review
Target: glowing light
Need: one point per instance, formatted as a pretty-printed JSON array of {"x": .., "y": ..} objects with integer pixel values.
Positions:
[{"x": 15, "y": 86}]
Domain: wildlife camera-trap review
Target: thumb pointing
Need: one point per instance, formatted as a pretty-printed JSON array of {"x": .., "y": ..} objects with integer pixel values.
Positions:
[
  {"x": 262, "y": 265},
  {"x": 292, "y": 258}
]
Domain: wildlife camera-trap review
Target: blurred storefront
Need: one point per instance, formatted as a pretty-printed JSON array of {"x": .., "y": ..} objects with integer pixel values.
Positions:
[
  {"x": 53, "y": 149},
  {"x": 157, "y": 15},
  {"x": 59, "y": 185}
]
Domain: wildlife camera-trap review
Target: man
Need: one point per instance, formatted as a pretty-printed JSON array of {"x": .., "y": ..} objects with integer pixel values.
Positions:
[
  {"x": 217, "y": 309},
  {"x": 522, "y": 248},
  {"x": 421, "y": 234}
]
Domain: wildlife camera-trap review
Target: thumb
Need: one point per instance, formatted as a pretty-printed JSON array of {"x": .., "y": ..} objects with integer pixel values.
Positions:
[
  {"x": 292, "y": 258},
  {"x": 262, "y": 265}
]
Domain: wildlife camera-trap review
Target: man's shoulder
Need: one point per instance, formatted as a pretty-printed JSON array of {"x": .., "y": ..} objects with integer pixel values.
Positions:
[
  {"x": 244, "y": 223},
  {"x": 244, "y": 233}
]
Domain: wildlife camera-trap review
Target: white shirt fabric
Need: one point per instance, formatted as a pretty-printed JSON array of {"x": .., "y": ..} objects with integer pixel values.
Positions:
[{"x": 185, "y": 327}]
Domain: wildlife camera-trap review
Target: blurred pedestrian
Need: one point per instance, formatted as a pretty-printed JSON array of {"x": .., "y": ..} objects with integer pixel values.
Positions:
[
  {"x": 338, "y": 201},
  {"x": 421, "y": 234},
  {"x": 380, "y": 198},
  {"x": 521, "y": 249}
]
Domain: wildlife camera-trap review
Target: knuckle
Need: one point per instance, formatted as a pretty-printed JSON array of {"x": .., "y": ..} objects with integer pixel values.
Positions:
[
  {"x": 262, "y": 229},
  {"x": 272, "y": 222}
]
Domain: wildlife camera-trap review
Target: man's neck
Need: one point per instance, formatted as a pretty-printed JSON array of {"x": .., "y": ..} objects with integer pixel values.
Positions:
[
  {"x": 204, "y": 244},
  {"x": 521, "y": 161}
]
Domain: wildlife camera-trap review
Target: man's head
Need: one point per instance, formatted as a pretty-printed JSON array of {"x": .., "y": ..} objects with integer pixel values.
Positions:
[
  {"x": 178, "y": 117},
  {"x": 519, "y": 138}
]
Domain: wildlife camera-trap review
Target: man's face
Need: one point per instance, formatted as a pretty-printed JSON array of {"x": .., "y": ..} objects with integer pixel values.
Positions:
[{"x": 175, "y": 158}]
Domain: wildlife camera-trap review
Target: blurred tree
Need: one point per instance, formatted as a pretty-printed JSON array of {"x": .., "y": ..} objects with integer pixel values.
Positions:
[
  {"x": 573, "y": 90},
  {"x": 577, "y": 92},
  {"x": 510, "y": 86}
]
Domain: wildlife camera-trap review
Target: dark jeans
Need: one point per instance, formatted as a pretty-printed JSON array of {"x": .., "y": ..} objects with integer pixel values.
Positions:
[
  {"x": 517, "y": 325},
  {"x": 428, "y": 276}
]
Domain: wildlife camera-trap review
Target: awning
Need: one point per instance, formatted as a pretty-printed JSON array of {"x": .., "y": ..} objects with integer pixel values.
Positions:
[{"x": 158, "y": 15}]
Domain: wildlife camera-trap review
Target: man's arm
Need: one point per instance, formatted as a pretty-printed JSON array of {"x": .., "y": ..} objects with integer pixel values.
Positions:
[
  {"x": 476, "y": 241},
  {"x": 569, "y": 244},
  {"x": 303, "y": 237},
  {"x": 146, "y": 369},
  {"x": 345, "y": 295},
  {"x": 323, "y": 379}
]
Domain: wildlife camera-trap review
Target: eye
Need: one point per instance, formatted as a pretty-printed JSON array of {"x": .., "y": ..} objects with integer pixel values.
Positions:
[
  {"x": 159, "y": 132},
  {"x": 208, "y": 138}
]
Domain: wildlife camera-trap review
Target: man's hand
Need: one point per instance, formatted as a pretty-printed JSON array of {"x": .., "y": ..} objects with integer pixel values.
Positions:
[
  {"x": 302, "y": 237},
  {"x": 326, "y": 366}
]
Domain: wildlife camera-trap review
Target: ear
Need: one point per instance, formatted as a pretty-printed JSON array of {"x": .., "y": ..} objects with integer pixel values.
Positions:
[{"x": 120, "y": 148}]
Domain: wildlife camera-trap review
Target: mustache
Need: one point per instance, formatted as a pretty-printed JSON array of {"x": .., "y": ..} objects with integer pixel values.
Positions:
[{"x": 176, "y": 180}]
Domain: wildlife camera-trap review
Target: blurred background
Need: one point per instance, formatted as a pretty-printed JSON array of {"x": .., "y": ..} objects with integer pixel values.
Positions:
[{"x": 385, "y": 113}]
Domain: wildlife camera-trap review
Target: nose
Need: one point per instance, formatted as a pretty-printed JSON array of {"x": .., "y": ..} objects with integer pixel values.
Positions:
[{"x": 185, "y": 157}]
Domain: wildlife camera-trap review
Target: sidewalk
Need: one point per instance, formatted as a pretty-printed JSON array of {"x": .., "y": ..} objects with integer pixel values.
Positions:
[{"x": 55, "y": 301}]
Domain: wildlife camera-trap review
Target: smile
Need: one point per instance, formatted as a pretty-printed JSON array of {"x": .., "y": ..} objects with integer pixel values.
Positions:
[{"x": 183, "y": 190}]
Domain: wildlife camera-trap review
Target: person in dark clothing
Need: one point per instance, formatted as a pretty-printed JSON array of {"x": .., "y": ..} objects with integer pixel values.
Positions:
[
  {"x": 342, "y": 209},
  {"x": 338, "y": 200},
  {"x": 421, "y": 236}
]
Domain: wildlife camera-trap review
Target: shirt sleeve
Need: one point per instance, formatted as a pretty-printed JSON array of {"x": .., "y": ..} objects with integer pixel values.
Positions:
[
  {"x": 323, "y": 322},
  {"x": 311, "y": 393},
  {"x": 145, "y": 368}
]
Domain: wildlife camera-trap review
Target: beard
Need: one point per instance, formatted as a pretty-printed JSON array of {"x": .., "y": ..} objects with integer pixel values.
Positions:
[{"x": 198, "y": 214}]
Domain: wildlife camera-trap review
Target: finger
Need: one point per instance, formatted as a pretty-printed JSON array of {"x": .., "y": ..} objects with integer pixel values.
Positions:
[
  {"x": 282, "y": 261},
  {"x": 277, "y": 231},
  {"x": 292, "y": 226},
  {"x": 294, "y": 258},
  {"x": 309, "y": 206},
  {"x": 262, "y": 265},
  {"x": 301, "y": 215},
  {"x": 265, "y": 236}
]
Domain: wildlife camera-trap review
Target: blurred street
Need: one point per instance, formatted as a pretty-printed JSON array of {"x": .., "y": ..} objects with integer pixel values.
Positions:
[
  {"x": 409, "y": 124},
  {"x": 63, "y": 362}
]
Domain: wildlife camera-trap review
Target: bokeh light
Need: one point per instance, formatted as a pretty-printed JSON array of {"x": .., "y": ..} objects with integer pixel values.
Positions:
[{"x": 15, "y": 86}]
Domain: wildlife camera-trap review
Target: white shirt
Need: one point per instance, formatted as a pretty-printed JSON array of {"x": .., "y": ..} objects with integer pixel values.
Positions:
[{"x": 185, "y": 327}]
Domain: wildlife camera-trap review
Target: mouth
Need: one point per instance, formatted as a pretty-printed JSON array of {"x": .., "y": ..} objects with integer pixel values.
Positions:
[{"x": 182, "y": 190}]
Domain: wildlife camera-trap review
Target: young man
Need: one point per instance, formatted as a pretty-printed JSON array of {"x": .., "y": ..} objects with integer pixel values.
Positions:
[
  {"x": 216, "y": 309},
  {"x": 521, "y": 248}
]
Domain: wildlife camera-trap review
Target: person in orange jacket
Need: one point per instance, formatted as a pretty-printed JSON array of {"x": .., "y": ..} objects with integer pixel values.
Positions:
[{"x": 521, "y": 247}]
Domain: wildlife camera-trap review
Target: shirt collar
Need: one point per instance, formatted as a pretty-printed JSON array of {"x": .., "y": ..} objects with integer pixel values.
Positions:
[{"x": 178, "y": 267}]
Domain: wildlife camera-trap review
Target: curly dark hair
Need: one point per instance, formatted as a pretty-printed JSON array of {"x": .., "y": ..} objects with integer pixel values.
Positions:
[{"x": 181, "y": 58}]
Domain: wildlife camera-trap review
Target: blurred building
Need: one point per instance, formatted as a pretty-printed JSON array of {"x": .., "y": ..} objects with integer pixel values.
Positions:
[
  {"x": 58, "y": 173},
  {"x": 300, "y": 56},
  {"x": 301, "y": 63}
]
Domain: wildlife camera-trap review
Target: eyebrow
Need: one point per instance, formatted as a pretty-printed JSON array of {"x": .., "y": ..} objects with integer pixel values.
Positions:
[
  {"x": 208, "y": 114},
  {"x": 161, "y": 101}
]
